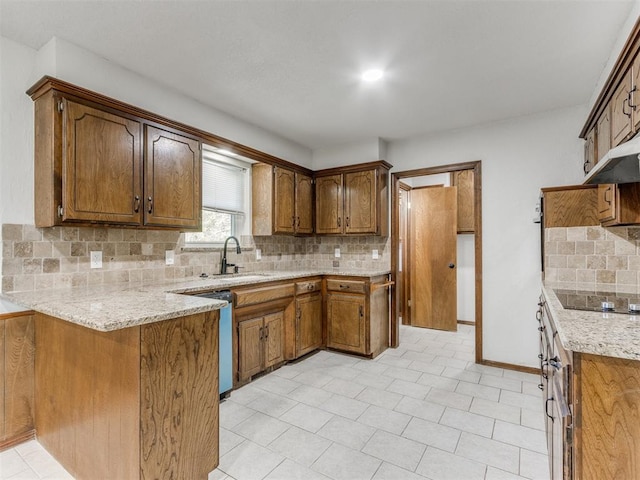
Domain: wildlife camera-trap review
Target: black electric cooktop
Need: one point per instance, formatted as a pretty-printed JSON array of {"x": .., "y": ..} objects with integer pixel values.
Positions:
[{"x": 596, "y": 301}]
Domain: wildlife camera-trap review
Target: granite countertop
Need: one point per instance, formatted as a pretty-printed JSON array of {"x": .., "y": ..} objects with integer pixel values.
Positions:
[
  {"x": 116, "y": 306},
  {"x": 598, "y": 333}
]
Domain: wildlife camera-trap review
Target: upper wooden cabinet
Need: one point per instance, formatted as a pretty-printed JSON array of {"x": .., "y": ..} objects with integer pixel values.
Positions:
[
  {"x": 621, "y": 124},
  {"x": 100, "y": 161},
  {"x": 589, "y": 151},
  {"x": 282, "y": 201},
  {"x": 353, "y": 199},
  {"x": 619, "y": 204},
  {"x": 570, "y": 206},
  {"x": 602, "y": 133},
  {"x": 463, "y": 180}
]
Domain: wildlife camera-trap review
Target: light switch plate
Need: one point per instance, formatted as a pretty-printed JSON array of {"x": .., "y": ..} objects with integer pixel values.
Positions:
[
  {"x": 258, "y": 254},
  {"x": 169, "y": 257},
  {"x": 374, "y": 254},
  {"x": 337, "y": 253},
  {"x": 96, "y": 259}
]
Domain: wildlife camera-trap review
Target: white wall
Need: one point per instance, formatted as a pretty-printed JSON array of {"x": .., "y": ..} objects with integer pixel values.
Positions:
[
  {"x": 23, "y": 66},
  {"x": 368, "y": 150},
  {"x": 519, "y": 156}
]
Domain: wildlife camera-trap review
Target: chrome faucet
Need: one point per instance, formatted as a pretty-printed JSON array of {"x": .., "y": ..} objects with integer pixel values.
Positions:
[{"x": 223, "y": 264}]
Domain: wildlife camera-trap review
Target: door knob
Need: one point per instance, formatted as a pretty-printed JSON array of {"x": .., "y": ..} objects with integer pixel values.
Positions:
[{"x": 451, "y": 265}]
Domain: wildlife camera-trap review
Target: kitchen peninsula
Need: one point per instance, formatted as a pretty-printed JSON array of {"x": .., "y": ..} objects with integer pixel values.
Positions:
[{"x": 126, "y": 374}]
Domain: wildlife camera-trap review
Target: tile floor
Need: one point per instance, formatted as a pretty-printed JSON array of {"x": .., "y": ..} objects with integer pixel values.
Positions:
[{"x": 421, "y": 411}]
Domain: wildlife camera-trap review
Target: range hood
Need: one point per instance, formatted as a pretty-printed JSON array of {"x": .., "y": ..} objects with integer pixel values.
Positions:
[{"x": 621, "y": 164}]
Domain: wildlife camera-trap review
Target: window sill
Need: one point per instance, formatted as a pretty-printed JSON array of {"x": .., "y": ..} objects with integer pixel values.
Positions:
[{"x": 194, "y": 248}]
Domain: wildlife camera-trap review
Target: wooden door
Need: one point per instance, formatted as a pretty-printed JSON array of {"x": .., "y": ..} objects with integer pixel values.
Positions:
[
  {"x": 308, "y": 323},
  {"x": 304, "y": 204},
  {"x": 172, "y": 180},
  {"x": 589, "y": 151},
  {"x": 102, "y": 179},
  {"x": 606, "y": 202},
  {"x": 284, "y": 220},
  {"x": 346, "y": 322},
  {"x": 603, "y": 133},
  {"x": 463, "y": 180},
  {"x": 250, "y": 347},
  {"x": 402, "y": 279},
  {"x": 433, "y": 254},
  {"x": 329, "y": 204},
  {"x": 360, "y": 202},
  {"x": 635, "y": 94},
  {"x": 621, "y": 112},
  {"x": 273, "y": 339}
]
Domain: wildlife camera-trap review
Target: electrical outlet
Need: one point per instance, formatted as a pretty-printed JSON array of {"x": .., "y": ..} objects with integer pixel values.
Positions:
[
  {"x": 374, "y": 254},
  {"x": 337, "y": 253},
  {"x": 96, "y": 259},
  {"x": 258, "y": 254},
  {"x": 169, "y": 257}
]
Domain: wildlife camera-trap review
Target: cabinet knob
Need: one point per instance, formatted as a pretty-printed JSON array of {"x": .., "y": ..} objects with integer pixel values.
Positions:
[
  {"x": 136, "y": 203},
  {"x": 339, "y": 222},
  {"x": 452, "y": 265},
  {"x": 150, "y": 200}
]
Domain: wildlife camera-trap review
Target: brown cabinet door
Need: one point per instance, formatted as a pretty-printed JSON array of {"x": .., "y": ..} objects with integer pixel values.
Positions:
[
  {"x": 621, "y": 112},
  {"x": 250, "y": 347},
  {"x": 360, "y": 202},
  {"x": 304, "y": 204},
  {"x": 172, "y": 180},
  {"x": 308, "y": 323},
  {"x": 273, "y": 339},
  {"x": 463, "y": 181},
  {"x": 329, "y": 204},
  {"x": 635, "y": 94},
  {"x": 607, "y": 202},
  {"x": 102, "y": 170},
  {"x": 589, "y": 151},
  {"x": 346, "y": 322},
  {"x": 603, "y": 133},
  {"x": 284, "y": 219}
]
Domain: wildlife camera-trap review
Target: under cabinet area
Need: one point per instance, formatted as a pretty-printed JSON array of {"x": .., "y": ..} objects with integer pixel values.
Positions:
[
  {"x": 282, "y": 201},
  {"x": 100, "y": 161},
  {"x": 353, "y": 200},
  {"x": 260, "y": 344},
  {"x": 308, "y": 325}
]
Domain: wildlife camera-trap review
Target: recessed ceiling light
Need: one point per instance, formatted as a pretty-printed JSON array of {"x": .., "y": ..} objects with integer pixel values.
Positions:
[{"x": 372, "y": 75}]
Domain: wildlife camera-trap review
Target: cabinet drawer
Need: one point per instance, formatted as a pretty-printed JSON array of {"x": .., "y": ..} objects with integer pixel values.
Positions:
[
  {"x": 352, "y": 286},
  {"x": 308, "y": 286},
  {"x": 263, "y": 294}
]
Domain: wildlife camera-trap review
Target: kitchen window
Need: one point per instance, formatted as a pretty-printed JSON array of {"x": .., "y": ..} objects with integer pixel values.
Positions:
[{"x": 225, "y": 197}]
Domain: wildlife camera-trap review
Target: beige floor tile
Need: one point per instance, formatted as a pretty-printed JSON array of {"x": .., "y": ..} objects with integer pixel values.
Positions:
[
  {"x": 439, "y": 465},
  {"x": 344, "y": 406},
  {"x": 249, "y": 461},
  {"x": 300, "y": 446},
  {"x": 433, "y": 434},
  {"x": 399, "y": 451},
  {"x": 391, "y": 472},
  {"x": 306, "y": 417},
  {"x": 259, "y": 428},
  {"x": 347, "y": 432},
  {"x": 468, "y": 422},
  {"x": 420, "y": 408},
  {"x": 381, "y": 398},
  {"x": 490, "y": 452},
  {"x": 520, "y": 436},
  {"x": 341, "y": 463},
  {"x": 384, "y": 419}
]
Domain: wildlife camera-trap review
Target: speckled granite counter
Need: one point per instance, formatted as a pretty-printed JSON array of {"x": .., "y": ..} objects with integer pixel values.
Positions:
[
  {"x": 609, "y": 334},
  {"x": 116, "y": 306}
]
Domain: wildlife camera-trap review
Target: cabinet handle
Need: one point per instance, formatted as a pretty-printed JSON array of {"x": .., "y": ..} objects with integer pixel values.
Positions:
[
  {"x": 626, "y": 100},
  {"x": 539, "y": 315},
  {"x": 546, "y": 407},
  {"x": 310, "y": 287},
  {"x": 150, "y": 200},
  {"x": 607, "y": 195},
  {"x": 347, "y": 221},
  {"x": 266, "y": 329},
  {"x": 630, "y": 95},
  {"x": 293, "y": 222},
  {"x": 585, "y": 166},
  {"x": 298, "y": 222},
  {"x": 136, "y": 203},
  {"x": 344, "y": 287},
  {"x": 339, "y": 222},
  {"x": 361, "y": 311}
]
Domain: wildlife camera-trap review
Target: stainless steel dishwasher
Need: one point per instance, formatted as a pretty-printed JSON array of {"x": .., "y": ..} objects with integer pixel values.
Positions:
[{"x": 225, "y": 340}]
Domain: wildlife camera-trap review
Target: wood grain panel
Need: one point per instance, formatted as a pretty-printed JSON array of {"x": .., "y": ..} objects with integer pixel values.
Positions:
[
  {"x": 309, "y": 323},
  {"x": 250, "y": 348},
  {"x": 263, "y": 294},
  {"x": 273, "y": 339},
  {"x": 87, "y": 404},
  {"x": 262, "y": 199},
  {"x": 379, "y": 320},
  {"x": 102, "y": 166},
  {"x": 329, "y": 204},
  {"x": 603, "y": 133},
  {"x": 304, "y": 204},
  {"x": 463, "y": 180},
  {"x": 610, "y": 414},
  {"x": 309, "y": 286},
  {"x": 19, "y": 369},
  {"x": 341, "y": 285},
  {"x": 48, "y": 161},
  {"x": 573, "y": 206},
  {"x": 346, "y": 322},
  {"x": 179, "y": 401},
  {"x": 620, "y": 112},
  {"x": 360, "y": 195},
  {"x": 2, "y": 382},
  {"x": 284, "y": 219},
  {"x": 172, "y": 179}
]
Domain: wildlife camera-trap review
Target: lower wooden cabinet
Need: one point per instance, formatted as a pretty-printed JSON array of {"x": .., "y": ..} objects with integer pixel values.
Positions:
[
  {"x": 308, "y": 326},
  {"x": 357, "y": 313},
  {"x": 260, "y": 344},
  {"x": 17, "y": 352}
]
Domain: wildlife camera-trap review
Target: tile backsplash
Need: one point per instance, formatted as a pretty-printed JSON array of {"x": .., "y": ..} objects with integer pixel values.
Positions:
[
  {"x": 37, "y": 258},
  {"x": 593, "y": 255}
]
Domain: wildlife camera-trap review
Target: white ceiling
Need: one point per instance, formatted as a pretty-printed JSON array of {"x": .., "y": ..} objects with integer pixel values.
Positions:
[{"x": 292, "y": 66}]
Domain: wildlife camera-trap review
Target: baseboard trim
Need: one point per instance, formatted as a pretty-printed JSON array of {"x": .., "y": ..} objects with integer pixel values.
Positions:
[
  {"x": 510, "y": 366},
  {"x": 17, "y": 440},
  {"x": 466, "y": 322}
]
